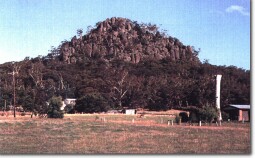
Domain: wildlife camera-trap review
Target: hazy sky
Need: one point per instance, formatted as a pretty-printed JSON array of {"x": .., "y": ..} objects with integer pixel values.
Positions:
[{"x": 220, "y": 28}]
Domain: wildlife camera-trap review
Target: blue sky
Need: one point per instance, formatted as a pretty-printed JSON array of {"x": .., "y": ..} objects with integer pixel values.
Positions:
[{"x": 220, "y": 28}]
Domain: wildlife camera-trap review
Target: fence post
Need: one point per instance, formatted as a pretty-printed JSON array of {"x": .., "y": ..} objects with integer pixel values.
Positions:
[{"x": 199, "y": 123}]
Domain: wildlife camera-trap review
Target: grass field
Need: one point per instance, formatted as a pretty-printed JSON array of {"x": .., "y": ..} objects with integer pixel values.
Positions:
[{"x": 119, "y": 134}]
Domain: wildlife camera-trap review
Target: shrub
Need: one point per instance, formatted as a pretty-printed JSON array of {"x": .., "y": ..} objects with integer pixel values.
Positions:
[
  {"x": 54, "y": 108},
  {"x": 208, "y": 114},
  {"x": 69, "y": 108},
  {"x": 22, "y": 114},
  {"x": 177, "y": 118},
  {"x": 194, "y": 114},
  {"x": 224, "y": 115},
  {"x": 193, "y": 117},
  {"x": 184, "y": 116},
  {"x": 55, "y": 114}
]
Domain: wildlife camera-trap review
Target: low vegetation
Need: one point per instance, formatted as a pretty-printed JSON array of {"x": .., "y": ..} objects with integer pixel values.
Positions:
[{"x": 124, "y": 134}]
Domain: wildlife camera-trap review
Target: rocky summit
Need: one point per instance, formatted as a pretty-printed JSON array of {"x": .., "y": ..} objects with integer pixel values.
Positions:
[
  {"x": 121, "y": 38},
  {"x": 120, "y": 63}
]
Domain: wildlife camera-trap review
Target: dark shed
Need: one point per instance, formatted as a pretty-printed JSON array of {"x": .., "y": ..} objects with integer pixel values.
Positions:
[{"x": 238, "y": 112}]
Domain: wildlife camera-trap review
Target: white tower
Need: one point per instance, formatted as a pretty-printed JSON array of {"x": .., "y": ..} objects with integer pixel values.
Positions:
[{"x": 218, "y": 79}]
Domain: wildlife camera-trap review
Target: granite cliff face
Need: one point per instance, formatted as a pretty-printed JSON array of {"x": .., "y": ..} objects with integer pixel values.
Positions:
[{"x": 120, "y": 38}]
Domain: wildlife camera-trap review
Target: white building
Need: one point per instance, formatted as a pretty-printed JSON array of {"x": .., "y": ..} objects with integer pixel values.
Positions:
[
  {"x": 130, "y": 111},
  {"x": 66, "y": 102}
]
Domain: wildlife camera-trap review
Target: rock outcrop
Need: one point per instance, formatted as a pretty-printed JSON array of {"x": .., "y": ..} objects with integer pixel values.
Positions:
[{"x": 123, "y": 39}]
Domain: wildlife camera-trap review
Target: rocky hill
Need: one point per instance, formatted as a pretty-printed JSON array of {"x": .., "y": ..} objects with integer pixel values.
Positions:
[
  {"x": 120, "y": 63},
  {"x": 126, "y": 40}
]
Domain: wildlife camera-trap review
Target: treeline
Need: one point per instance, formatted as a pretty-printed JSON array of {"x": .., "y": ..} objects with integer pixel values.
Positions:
[{"x": 150, "y": 84}]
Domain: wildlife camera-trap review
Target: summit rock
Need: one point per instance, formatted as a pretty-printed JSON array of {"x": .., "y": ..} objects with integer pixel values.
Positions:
[{"x": 121, "y": 38}]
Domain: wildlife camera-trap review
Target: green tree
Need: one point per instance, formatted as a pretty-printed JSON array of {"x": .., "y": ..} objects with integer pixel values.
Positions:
[
  {"x": 28, "y": 103},
  {"x": 79, "y": 32},
  {"x": 54, "y": 108},
  {"x": 91, "y": 103}
]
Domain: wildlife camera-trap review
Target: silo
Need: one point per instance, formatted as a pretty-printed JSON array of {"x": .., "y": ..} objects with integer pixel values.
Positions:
[{"x": 218, "y": 80}]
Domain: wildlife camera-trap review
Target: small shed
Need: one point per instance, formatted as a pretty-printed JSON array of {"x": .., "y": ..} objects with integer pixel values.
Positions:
[
  {"x": 238, "y": 112},
  {"x": 130, "y": 111}
]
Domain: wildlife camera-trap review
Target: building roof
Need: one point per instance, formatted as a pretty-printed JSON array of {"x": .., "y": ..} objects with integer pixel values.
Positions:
[
  {"x": 240, "y": 106},
  {"x": 70, "y": 99}
]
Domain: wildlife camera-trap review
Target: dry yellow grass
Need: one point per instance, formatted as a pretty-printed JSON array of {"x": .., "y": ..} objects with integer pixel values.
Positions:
[{"x": 114, "y": 134}]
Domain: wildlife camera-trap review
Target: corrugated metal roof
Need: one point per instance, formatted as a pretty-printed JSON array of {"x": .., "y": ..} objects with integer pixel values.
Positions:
[{"x": 241, "y": 106}]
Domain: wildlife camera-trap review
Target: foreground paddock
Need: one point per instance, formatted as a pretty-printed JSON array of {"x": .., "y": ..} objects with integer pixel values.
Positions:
[{"x": 99, "y": 134}]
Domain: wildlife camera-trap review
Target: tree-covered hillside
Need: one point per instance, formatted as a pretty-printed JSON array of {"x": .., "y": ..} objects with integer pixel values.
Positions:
[{"x": 120, "y": 63}]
